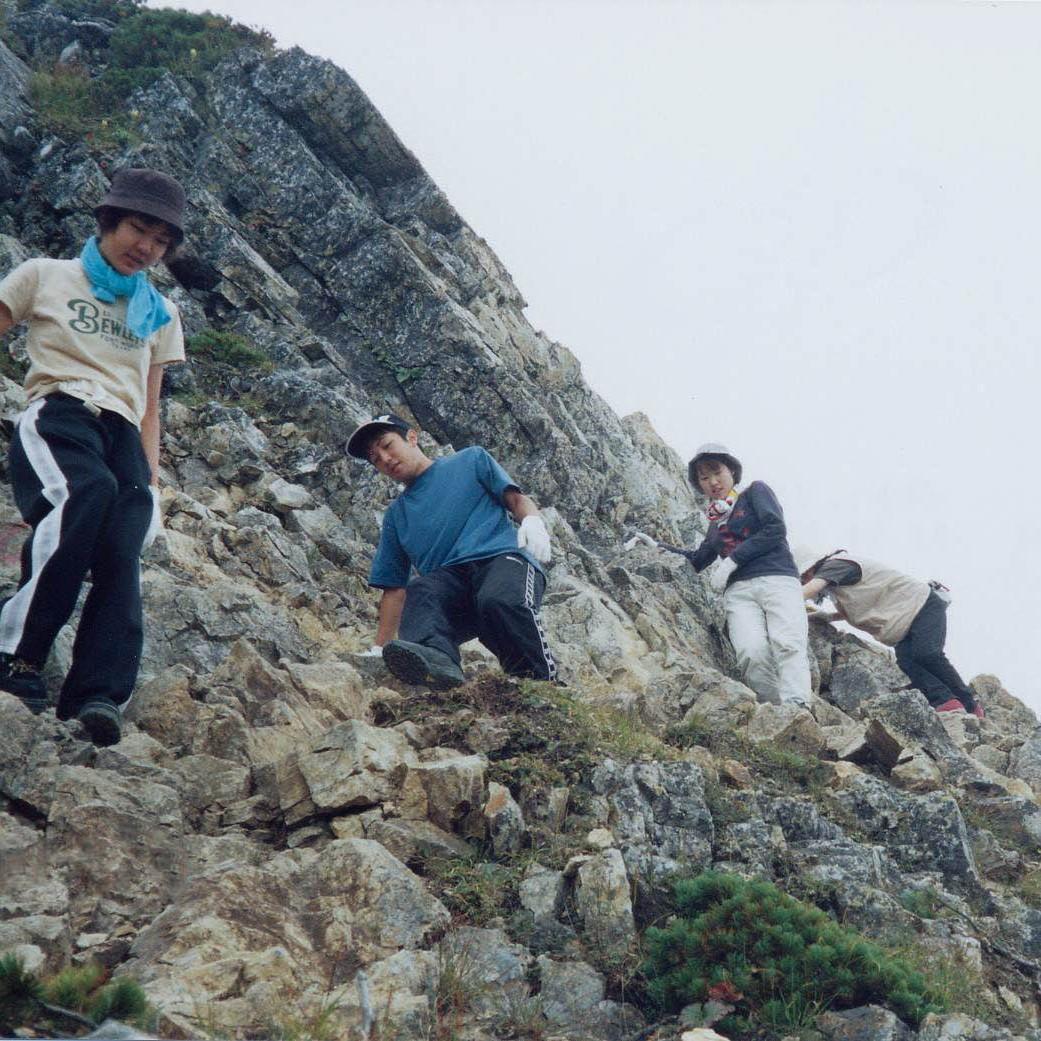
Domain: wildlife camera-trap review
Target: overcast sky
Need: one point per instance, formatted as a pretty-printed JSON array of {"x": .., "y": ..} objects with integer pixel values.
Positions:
[{"x": 808, "y": 230}]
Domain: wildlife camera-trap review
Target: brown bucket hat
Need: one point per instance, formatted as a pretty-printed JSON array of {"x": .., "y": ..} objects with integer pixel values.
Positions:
[{"x": 149, "y": 192}]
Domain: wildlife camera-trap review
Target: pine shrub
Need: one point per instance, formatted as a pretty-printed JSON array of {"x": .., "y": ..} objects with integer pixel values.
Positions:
[
  {"x": 122, "y": 999},
  {"x": 20, "y": 993},
  {"x": 777, "y": 960}
]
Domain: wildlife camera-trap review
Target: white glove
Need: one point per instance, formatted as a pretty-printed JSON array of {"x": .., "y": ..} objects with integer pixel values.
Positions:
[
  {"x": 533, "y": 536},
  {"x": 375, "y": 651},
  {"x": 155, "y": 525},
  {"x": 640, "y": 538}
]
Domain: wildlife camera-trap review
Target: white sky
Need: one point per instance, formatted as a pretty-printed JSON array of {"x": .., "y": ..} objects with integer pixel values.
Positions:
[{"x": 808, "y": 230}]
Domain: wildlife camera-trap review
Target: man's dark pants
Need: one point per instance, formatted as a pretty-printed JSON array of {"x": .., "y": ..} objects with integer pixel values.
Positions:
[
  {"x": 496, "y": 599},
  {"x": 920, "y": 654}
]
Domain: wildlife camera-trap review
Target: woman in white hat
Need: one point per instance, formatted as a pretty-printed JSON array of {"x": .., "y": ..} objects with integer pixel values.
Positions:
[
  {"x": 84, "y": 458},
  {"x": 766, "y": 616}
]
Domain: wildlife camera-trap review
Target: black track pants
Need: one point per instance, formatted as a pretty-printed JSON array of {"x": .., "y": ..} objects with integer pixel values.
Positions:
[
  {"x": 497, "y": 600},
  {"x": 920, "y": 654},
  {"x": 81, "y": 481}
]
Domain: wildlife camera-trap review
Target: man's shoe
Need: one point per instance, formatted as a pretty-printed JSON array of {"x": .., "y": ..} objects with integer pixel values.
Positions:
[
  {"x": 101, "y": 720},
  {"x": 22, "y": 678},
  {"x": 978, "y": 711},
  {"x": 414, "y": 663},
  {"x": 954, "y": 705}
]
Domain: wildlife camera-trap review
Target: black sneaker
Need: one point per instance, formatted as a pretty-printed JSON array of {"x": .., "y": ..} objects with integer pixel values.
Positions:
[
  {"x": 22, "y": 678},
  {"x": 101, "y": 720},
  {"x": 414, "y": 663}
]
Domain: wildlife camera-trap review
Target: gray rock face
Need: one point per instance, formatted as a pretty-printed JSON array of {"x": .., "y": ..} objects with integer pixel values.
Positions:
[
  {"x": 659, "y": 818},
  {"x": 921, "y": 832},
  {"x": 573, "y": 999},
  {"x": 870, "y": 1023}
]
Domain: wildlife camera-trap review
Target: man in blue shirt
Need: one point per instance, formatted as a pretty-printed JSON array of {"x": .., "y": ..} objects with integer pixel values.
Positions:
[{"x": 478, "y": 575}]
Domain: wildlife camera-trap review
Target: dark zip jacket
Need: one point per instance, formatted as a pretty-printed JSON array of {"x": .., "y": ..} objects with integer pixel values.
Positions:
[{"x": 753, "y": 537}]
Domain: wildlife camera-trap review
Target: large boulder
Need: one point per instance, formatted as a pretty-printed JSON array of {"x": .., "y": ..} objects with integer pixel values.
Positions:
[{"x": 276, "y": 927}]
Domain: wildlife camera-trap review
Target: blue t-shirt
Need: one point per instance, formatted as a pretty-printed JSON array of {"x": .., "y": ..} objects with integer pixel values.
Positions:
[{"x": 451, "y": 513}]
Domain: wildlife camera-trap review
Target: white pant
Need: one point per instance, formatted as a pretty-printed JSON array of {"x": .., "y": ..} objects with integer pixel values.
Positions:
[{"x": 766, "y": 620}]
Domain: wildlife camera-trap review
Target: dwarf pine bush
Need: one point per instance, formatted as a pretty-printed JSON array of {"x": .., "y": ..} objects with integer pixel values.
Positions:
[
  {"x": 777, "y": 960},
  {"x": 20, "y": 993}
]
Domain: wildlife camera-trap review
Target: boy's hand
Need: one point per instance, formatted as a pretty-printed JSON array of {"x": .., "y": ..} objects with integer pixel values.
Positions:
[{"x": 533, "y": 536}]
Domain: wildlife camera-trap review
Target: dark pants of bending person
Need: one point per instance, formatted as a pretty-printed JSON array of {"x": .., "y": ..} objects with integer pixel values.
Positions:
[
  {"x": 496, "y": 599},
  {"x": 920, "y": 654}
]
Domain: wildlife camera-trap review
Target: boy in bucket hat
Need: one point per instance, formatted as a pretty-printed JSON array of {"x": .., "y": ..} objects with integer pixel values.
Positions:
[
  {"x": 477, "y": 574},
  {"x": 84, "y": 458},
  {"x": 902, "y": 612}
]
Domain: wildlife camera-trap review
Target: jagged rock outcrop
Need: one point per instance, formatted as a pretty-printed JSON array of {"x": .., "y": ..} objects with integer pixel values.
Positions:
[{"x": 284, "y": 822}]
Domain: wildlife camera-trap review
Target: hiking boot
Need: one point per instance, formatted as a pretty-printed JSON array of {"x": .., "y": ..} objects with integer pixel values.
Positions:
[
  {"x": 414, "y": 663},
  {"x": 954, "y": 705},
  {"x": 978, "y": 711},
  {"x": 100, "y": 718},
  {"x": 22, "y": 678}
]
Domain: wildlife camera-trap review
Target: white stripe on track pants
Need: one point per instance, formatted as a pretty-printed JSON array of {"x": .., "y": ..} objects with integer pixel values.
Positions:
[{"x": 496, "y": 599}]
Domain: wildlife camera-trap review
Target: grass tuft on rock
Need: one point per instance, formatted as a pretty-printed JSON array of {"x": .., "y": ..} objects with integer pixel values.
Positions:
[
  {"x": 227, "y": 348},
  {"x": 72, "y": 101},
  {"x": 82, "y": 994},
  {"x": 778, "y": 962}
]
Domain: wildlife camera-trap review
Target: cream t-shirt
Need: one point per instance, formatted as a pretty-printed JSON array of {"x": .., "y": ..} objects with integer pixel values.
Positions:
[{"x": 81, "y": 346}]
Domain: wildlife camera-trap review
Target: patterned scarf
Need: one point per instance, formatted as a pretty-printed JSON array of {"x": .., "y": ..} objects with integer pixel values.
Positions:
[
  {"x": 146, "y": 309},
  {"x": 719, "y": 509}
]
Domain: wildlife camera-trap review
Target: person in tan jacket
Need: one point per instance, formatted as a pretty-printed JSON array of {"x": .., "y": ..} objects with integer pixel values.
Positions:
[{"x": 900, "y": 611}]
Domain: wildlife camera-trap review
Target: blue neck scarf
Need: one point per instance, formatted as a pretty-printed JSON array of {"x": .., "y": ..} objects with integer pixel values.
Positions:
[{"x": 146, "y": 309}]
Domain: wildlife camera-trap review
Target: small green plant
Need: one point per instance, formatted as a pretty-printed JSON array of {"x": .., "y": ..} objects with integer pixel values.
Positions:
[
  {"x": 955, "y": 983},
  {"x": 522, "y": 1018},
  {"x": 227, "y": 348},
  {"x": 1029, "y": 888},
  {"x": 476, "y": 891},
  {"x": 778, "y": 961},
  {"x": 403, "y": 374},
  {"x": 323, "y": 1024},
  {"x": 111, "y": 10},
  {"x": 924, "y": 902},
  {"x": 20, "y": 994},
  {"x": 459, "y": 981}
]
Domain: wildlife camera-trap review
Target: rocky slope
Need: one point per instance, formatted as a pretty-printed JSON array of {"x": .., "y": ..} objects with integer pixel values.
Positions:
[{"x": 288, "y": 840}]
